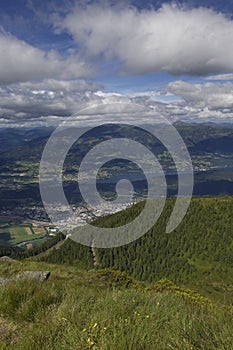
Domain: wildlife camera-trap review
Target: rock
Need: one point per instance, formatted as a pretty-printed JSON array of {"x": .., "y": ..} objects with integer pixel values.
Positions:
[
  {"x": 7, "y": 258},
  {"x": 3, "y": 280},
  {"x": 40, "y": 276}
]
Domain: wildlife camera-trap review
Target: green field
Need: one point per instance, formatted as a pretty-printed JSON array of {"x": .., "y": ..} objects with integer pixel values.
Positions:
[
  {"x": 106, "y": 310},
  {"x": 13, "y": 234}
]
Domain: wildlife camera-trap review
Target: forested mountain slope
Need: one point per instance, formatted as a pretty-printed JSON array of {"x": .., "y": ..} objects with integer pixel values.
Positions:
[{"x": 198, "y": 253}]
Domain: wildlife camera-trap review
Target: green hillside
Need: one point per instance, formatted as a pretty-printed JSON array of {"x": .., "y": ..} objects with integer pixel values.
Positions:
[
  {"x": 105, "y": 310},
  {"x": 198, "y": 254}
]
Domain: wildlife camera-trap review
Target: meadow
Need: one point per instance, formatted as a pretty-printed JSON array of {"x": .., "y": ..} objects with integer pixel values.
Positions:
[
  {"x": 106, "y": 310},
  {"x": 14, "y": 233}
]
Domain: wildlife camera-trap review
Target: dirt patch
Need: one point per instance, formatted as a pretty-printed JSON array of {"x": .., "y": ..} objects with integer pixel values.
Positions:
[
  {"x": 13, "y": 233},
  {"x": 28, "y": 230},
  {"x": 39, "y": 230}
]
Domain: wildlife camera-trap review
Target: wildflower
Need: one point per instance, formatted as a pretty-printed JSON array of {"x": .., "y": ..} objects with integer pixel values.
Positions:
[
  {"x": 158, "y": 303},
  {"x": 90, "y": 342},
  {"x": 105, "y": 328},
  {"x": 95, "y": 325},
  {"x": 147, "y": 316},
  {"x": 84, "y": 329}
]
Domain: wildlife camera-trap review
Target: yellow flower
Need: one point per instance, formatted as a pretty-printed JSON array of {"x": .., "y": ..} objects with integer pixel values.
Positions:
[
  {"x": 90, "y": 342},
  {"x": 158, "y": 303},
  {"x": 84, "y": 329},
  {"x": 95, "y": 325},
  {"x": 147, "y": 316}
]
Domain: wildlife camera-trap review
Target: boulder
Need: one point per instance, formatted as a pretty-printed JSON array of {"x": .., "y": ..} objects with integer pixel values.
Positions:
[
  {"x": 40, "y": 276},
  {"x": 7, "y": 259}
]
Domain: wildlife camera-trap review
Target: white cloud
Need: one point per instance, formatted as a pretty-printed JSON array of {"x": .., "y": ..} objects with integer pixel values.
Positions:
[
  {"x": 172, "y": 39},
  {"x": 227, "y": 76},
  {"x": 20, "y": 61},
  {"x": 213, "y": 96},
  {"x": 62, "y": 86},
  {"x": 25, "y": 101},
  {"x": 51, "y": 101}
]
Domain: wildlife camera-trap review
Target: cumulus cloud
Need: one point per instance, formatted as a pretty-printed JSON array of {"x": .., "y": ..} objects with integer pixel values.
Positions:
[
  {"x": 51, "y": 101},
  {"x": 60, "y": 86},
  {"x": 213, "y": 96},
  {"x": 20, "y": 61},
  {"x": 172, "y": 39},
  {"x": 55, "y": 99}
]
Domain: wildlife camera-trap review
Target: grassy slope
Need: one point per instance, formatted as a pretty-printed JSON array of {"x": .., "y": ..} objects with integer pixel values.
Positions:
[{"x": 78, "y": 309}]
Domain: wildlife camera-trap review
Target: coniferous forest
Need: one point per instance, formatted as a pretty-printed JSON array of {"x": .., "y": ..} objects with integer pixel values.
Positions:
[{"x": 198, "y": 253}]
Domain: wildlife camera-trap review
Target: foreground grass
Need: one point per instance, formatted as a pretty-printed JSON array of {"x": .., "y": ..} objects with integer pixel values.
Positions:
[{"x": 77, "y": 309}]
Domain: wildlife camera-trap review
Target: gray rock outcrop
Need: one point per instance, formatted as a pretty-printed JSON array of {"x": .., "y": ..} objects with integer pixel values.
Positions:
[{"x": 40, "y": 276}]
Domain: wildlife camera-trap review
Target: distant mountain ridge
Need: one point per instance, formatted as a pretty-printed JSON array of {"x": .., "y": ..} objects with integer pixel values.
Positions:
[{"x": 210, "y": 147}]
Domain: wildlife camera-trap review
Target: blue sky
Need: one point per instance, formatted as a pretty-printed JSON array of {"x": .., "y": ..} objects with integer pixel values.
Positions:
[
  {"x": 56, "y": 55},
  {"x": 31, "y": 21}
]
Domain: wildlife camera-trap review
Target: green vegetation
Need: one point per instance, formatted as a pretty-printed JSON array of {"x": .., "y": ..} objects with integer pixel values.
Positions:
[
  {"x": 11, "y": 233},
  {"x": 44, "y": 247},
  {"x": 102, "y": 308},
  {"x": 197, "y": 254},
  {"x": 105, "y": 310}
]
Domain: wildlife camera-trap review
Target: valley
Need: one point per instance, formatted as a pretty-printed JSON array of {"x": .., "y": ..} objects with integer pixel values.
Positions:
[{"x": 210, "y": 147}]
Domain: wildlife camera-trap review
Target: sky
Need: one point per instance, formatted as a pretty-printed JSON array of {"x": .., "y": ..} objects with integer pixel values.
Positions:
[{"x": 60, "y": 56}]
